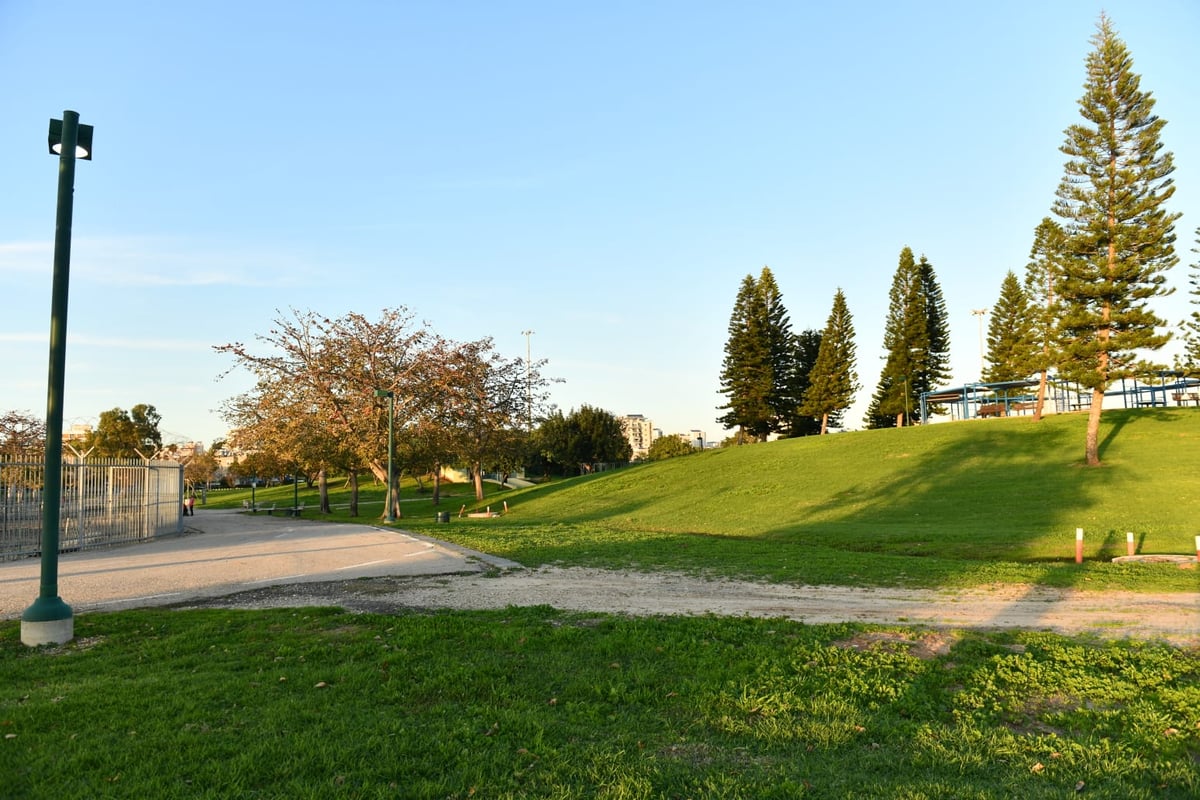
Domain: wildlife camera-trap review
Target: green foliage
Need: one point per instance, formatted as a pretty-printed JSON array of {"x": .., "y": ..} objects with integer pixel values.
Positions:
[
  {"x": 1190, "y": 363},
  {"x": 532, "y": 702},
  {"x": 1119, "y": 236},
  {"x": 1012, "y": 352},
  {"x": 948, "y": 504},
  {"x": 665, "y": 447},
  {"x": 917, "y": 340},
  {"x": 766, "y": 367},
  {"x": 833, "y": 380},
  {"x": 806, "y": 347},
  {"x": 581, "y": 439},
  {"x": 123, "y": 434},
  {"x": 1043, "y": 274}
]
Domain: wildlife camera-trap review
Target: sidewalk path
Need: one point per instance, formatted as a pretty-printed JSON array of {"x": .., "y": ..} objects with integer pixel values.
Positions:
[{"x": 230, "y": 551}]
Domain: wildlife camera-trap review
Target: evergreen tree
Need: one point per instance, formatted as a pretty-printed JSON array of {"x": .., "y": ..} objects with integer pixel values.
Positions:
[
  {"x": 1042, "y": 276},
  {"x": 935, "y": 364},
  {"x": 789, "y": 376},
  {"x": 806, "y": 346},
  {"x": 759, "y": 375},
  {"x": 1012, "y": 351},
  {"x": 917, "y": 340},
  {"x": 1119, "y": 235},
  {"x": 833, "y": 380},
  {"x": 1190, "y": 361},
  {"x": 746, "y": 377}
]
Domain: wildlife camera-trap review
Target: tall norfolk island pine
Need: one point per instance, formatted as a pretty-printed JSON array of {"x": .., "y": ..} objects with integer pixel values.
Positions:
[
  {"x": 1042, "y": 276},
  {"x": 917, "y": 339},
  {"x": 757, "y": 369},
  {"x": 1119, "y": 238},
  {"x": 1012, "y": 353},
  {"x": 833, "y": 381},
  {"x": 1190, "y": 362}
]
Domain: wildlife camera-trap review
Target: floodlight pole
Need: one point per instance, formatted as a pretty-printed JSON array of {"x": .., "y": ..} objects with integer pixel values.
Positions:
[{"x": 50, "y": 620}]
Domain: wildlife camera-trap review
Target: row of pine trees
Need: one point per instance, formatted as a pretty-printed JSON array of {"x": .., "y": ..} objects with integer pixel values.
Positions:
[
  {"x": 794, "y": 384},
  {"x": 1081, "y": 313}
]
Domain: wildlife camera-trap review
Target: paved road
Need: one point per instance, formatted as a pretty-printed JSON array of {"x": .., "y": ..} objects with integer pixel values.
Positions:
[{"x": 229, "y": 551}]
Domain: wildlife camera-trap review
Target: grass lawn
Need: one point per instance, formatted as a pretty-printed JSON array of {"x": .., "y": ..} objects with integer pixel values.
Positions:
[
  {"x": 960, "y": 504},
  {"x": 318, "y": 703},
  {"x": 533, "y": 702}
]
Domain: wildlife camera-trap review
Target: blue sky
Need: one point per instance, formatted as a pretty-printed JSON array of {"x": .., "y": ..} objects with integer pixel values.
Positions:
[{"x": 604, "y": 174}]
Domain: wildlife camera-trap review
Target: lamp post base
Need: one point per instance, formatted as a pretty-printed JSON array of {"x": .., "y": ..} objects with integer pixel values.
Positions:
[{"x": 47, "y": 621}]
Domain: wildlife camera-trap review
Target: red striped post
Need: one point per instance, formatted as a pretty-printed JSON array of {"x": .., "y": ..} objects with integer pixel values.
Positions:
[{"x": 1079, "y": 545}]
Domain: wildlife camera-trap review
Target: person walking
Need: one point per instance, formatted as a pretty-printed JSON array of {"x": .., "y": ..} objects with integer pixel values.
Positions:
[{"x": 189, "y": 505}]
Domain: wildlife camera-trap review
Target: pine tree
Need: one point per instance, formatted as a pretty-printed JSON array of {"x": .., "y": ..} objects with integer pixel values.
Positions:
[
  {"x": 788, "y": 376},
  {"x": 806, "y": 346},
  {"x": 1011, "y": 347},
  {"x": 917, "y": 340},
  {"x": 935, "y": 365},
  {"x": 1119, "y": 235},
  {"x": 1190, "y": 361},
  {"x": 1042, "y": 276},
  {"x": 833, "y": 380},
  {"x": 761, "y": 372},
  {"x": 746, "y": 377}
]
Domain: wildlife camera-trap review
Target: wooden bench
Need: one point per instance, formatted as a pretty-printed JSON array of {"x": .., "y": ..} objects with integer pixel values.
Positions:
[{"x": 993, "y": 410}]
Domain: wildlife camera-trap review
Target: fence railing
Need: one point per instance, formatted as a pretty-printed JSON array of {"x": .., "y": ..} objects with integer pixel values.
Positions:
[{"x": 105, "y": 501}]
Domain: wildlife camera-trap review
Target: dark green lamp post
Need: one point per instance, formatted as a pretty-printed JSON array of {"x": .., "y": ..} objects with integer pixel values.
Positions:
[
  {"x": 49, "y": 620},
  {"x": 391, "y": 502}
]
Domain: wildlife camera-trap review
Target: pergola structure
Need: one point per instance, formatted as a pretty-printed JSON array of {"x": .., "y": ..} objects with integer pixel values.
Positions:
[{"x": 1006, "y": 398}]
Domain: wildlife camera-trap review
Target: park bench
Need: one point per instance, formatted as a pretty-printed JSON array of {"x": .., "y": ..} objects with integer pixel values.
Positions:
[{"x": 992, "y": 410}]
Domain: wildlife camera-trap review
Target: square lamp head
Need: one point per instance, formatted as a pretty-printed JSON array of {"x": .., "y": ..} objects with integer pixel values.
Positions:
[{"x": 83, "y": 140}]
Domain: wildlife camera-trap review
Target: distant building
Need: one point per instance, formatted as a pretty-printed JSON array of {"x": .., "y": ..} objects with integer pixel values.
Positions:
[
  {"x": 639, "y": 431},
  {"x": 189, "y": 450},
  {"x": 77, "y": 432}
]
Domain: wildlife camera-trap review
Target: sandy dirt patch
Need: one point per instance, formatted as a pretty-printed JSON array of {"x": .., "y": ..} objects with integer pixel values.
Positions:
[{"x": 1170, "y": 617}]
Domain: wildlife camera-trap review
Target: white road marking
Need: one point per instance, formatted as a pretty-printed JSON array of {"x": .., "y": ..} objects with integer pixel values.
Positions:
[
  {"x": 365, "y": 564},
  {"x": 280, "y": 578}
]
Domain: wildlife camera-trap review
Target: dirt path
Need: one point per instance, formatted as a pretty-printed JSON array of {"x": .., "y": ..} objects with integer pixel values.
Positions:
[{"x": 1171, "y": 617}]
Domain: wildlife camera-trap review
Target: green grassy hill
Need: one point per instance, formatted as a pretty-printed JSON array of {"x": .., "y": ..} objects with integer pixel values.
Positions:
[{"x": 958, "y": 503}]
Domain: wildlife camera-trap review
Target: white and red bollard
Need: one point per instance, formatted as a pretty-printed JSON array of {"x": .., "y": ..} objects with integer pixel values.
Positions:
[
  {"x": 1079, "y": 545},
  {"x": 1129, "y": 548}
]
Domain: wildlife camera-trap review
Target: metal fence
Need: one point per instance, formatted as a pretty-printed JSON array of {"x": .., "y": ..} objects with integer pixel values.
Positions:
[{"x": 105, "y": 501}]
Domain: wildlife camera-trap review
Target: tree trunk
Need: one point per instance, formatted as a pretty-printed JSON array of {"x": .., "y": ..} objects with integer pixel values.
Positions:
[
  {"x": 477, "y": 469},
  {"x": 1093, "y": 428},
  {"x": 323, "y": 483},
  {"x": 437, "y": 483},
  {"x": 394, "y": 494},
  {"x": 1041, "y": 397},
  {"x": 824, "y": 424},
  {"x": 900, "y": 420},
  {"x": 354, "y": 493}
]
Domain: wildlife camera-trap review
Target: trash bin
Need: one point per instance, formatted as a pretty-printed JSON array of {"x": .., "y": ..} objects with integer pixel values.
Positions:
[{"x": 443, "y": 516}]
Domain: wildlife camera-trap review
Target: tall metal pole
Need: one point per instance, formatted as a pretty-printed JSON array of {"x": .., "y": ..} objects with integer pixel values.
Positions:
[
  {"x": 50, "y": 620},
  {"x": 980, "y": 312},
  {"x": 528, "y": 381}
]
